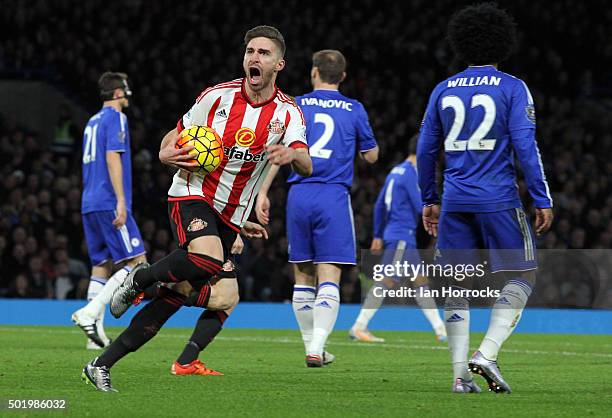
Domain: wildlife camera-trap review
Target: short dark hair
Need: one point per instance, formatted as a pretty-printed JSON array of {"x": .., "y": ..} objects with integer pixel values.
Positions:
[
  {"x": 412, "y": 144},
  {"x": 109, "y": 81},
  {"x": 482, "y": 34},
  {"x": 331, "y": 65},
  {"x": 270, "y": 32}
]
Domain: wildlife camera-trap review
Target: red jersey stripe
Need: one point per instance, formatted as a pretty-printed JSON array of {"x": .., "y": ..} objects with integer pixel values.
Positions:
[
  {"x": 246, "y": 171},
  {"x": 211, "y": 113},
  {"x": 211, "y": 181}
]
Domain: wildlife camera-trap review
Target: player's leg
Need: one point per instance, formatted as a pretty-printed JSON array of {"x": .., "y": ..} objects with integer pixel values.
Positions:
[
  {"x": 149, "y": 319},
  {"x": 394, "y": 252},
  {"x": 98, "y": 304},
  {"x": 125, "y": 245},
  {"x": 333, "y": 238},
  {"x": 143, "y": 327},
  {"x": 457, "y": 235},
  {"x": 359, "y": 331},
  {"x": 512, "y": 251},
  {"x": 325, "y": 311},
  {"x": 429, "y": 307},
  {"x": 222, "y": 301},
  {"x": 196, "y": 228},
  {"x": 100, "y": 256},
  {"x": 304, "y": 294},
  {"x": 301, "y": 254}
]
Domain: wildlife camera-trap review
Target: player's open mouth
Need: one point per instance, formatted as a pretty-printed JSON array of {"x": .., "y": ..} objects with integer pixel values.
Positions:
[{"x": 254, "y": 75}]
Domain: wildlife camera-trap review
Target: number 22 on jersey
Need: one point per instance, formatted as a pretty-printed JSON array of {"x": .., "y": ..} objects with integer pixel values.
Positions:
[{"x": 477, "y": 141}]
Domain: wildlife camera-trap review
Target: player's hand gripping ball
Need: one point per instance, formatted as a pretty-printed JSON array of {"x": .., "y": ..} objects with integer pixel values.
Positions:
[{"x": 208, "y": 149}]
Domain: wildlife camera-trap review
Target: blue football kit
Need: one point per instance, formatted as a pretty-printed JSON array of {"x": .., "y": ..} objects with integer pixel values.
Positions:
[
  {"x": 319, "y": 215},
  {"x": 484, "y": 119},
  {"x": 397, "y": 214},
  {"x": 107, "y": 131}
]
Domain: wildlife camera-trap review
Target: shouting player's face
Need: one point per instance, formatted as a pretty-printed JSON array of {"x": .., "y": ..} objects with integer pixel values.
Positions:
[{"x": 262, "y": 60}]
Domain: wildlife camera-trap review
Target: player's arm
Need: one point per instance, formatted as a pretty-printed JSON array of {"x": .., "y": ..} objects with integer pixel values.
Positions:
[
  {"x": 368, "y": 148},
  {"x": 175, "y": 157},
  {"x": 169, "y": 154},
  {"x": 522, "y": 134},
  {"x": 262, "y": 204},
  {"x": 115, "y": 172},
  {"x": 379, "y": 220},
  {"x": 295, "y": 148},
  {"x": 428, "y": 147},
  {"x": 114, "y": 139},
  {"x": 298, "y": 158},
  {"x": 371, "y": 156}
]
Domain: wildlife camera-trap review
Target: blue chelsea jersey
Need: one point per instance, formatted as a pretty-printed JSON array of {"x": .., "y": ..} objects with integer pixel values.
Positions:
[
  {"x": 335, "y": 126},
  {"x": 482, "y": 118},
  {"x": 106, "y": 131},
  {"x": 398, "y": 206}
]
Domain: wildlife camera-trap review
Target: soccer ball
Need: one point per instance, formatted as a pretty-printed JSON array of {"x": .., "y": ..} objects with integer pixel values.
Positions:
[{"x": 208, "y": 152}]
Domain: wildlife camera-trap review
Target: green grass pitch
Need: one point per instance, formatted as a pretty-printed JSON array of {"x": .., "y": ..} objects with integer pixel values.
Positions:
[{"x": 551, "y": 375}]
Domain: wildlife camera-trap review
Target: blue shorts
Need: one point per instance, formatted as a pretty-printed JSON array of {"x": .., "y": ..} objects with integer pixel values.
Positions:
[
  {"x": 105, "y": 242},
  {"x": 401, "y": 251},
  {"x": 320, "y": 224},
  {"x": 505, "y": 235}
]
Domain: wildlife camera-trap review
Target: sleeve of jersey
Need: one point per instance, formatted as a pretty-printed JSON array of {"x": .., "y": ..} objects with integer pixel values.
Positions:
[
  {"x": 295, "y": 129},
  {"x": 198, "y": 113},
  {"x": 379, "y": 214},
  {"x": 428, "y": 147},
  {"x": 365, "y": 137},
  {"x": 116, "y": 132},
  {"x": 522, "y": 133}
]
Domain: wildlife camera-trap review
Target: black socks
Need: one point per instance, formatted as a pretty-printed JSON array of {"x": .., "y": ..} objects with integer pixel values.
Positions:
[
  {"x": 207, "y": 328},
  {"x": 144, "y": 326},
  {"x": 177, "y": 266}
]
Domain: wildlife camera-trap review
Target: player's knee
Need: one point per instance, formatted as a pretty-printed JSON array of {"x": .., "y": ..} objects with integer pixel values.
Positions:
[
  {"x": 228, "y": 301},
  {"x": 224, "y": 295}
]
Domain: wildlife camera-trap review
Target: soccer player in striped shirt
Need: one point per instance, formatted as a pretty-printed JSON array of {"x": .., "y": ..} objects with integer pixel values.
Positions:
[
  {"x": 259, "y": 126},
  {"x": 483, "y": 118}
]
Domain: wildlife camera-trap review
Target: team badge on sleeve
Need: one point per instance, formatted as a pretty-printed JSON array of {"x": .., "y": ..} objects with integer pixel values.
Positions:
[{"x": 530, "y": 111}]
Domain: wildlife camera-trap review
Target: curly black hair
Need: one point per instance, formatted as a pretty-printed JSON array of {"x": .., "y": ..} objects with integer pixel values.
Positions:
[{"x": 482, "y": 34}]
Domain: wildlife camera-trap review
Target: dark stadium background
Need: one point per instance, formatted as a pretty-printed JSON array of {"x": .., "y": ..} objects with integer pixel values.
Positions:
[{"x": 172, "y": 50}]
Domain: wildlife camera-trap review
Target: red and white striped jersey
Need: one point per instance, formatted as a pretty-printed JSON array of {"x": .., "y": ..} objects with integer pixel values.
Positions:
[{"x": 245, "y": 128}]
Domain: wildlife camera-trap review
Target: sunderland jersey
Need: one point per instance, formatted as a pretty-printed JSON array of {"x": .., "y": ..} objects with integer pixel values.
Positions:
[
  {"x": 335, "y": 126},
  {"x": 398, "y": 206},
  {"x": 106, "y": 131},
  {"x": 245, "y": 129},
  {"x": 483, "y": 118}
]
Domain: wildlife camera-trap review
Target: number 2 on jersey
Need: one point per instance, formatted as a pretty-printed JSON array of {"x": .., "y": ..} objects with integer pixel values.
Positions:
[
  {"x": 89, "y": 151},
  {"x": 317, "y": 149},
  {"x": 477, "y": 141}
]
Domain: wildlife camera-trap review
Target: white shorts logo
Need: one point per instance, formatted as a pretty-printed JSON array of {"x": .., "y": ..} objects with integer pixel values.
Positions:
[{"x": 135, "y": 242}]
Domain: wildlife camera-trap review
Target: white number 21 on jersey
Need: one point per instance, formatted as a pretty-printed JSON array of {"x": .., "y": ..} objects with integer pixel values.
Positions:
[
  {"x": 317, "y": 149},
  {"x": 477, "y": 141},
  {"x": 89, "y": 151}
]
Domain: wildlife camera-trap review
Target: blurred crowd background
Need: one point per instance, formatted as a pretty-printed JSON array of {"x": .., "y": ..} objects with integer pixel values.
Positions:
[{"x": 396, "y": 53}]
